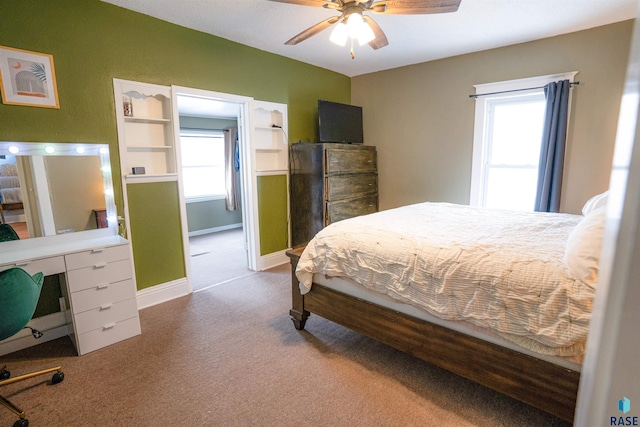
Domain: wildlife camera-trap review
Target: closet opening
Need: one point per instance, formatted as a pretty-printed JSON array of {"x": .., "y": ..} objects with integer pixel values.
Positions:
[{"x": 214, "y": 198}]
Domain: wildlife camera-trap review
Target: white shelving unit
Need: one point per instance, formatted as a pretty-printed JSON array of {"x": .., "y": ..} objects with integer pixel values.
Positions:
[
  {"x": 145, "y": 131},
  {"x": 270, "y": 138}
]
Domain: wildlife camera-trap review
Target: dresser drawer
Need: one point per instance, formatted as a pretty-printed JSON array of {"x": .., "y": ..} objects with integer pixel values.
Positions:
[
  {"x": 337, "y": 211},
  {"x": 102, "y": 295},
  {"x": 99, "y": 274},
  {"x": 351, "y": 161},
  {"x": 349, "y": 186},
  {"x": 46, "y": 266},
  {"x": 109, "y": 334},
  {"x": 104, "y": 317},
  {"x": 97, "y": 256}
]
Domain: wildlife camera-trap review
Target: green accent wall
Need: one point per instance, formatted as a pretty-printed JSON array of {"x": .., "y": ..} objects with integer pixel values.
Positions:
[
  {"x": 272, "y": 204},
  {"x": 94, "y": 42},
  {"x": 156, "y": 235}
]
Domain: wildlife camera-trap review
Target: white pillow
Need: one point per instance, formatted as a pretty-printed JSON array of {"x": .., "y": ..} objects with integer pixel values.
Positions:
[
  {"x": 595, "y": 202},
  {"x": 582, "y": 252}
]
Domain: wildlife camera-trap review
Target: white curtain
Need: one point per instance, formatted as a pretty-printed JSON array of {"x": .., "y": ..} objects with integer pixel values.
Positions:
[{"x": 231, "y": 169}]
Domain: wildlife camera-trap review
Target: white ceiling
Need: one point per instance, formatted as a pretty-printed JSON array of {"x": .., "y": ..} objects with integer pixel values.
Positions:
[
  {"x": 477, "y": 25},
  {"x": 197, "y": 106}
]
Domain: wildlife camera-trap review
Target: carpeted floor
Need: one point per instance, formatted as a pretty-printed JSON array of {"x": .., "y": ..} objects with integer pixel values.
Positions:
[
  {"x": 230, "y": 356},
  {"x": 217, "y": 257}
]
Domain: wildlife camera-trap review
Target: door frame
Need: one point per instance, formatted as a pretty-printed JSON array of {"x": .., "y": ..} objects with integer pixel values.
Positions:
[{"x": 248, "y": 192}]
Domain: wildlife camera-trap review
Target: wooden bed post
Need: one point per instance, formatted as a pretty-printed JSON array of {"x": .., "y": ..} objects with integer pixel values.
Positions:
[{"x": 298, "y": 314}]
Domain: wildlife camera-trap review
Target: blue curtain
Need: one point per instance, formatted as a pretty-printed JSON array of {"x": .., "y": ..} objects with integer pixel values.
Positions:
[{"x": 554, "y": 138}]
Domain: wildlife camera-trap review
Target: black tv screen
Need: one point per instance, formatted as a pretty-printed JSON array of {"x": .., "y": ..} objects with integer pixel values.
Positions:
[{"x": 340, "y": 123}]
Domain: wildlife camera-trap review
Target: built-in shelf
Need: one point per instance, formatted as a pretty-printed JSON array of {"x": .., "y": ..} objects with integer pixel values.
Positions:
[
  {"x": 146, "y": 120},
  {"x": 145, "y": 129},
  {"x": 150, "y": 147},
  {"x": 165, "y": 177},
  {"x": 270, "y": 138},
  {"x": 272, "y": 172}
]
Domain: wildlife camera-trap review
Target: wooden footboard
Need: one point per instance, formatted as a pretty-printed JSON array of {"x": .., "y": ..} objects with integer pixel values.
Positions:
[{"x": 536, "y": 382}]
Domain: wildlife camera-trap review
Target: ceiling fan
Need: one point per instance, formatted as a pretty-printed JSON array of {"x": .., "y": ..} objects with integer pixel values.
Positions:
[{"x": 352, "y": 23}]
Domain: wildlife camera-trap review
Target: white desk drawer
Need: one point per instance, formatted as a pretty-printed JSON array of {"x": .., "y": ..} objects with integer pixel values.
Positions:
[
  {"x": 97, "y": 256},
  {"x": 48, "y": 266},
  {"x": 103, "y": 317},
  {"x": 101, "y": 295},
  {"x": 99, "y": 274},
  {"x": 111, "y": 334}
]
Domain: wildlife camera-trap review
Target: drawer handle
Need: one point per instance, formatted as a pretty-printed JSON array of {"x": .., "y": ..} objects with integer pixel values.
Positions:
[
  {"x": 24, "y": 264},
  {"x": 96, "y": 251},
  {"x": 100, "y": 265},
  {"x": 101, "y": 287},
  {"x": 105, "y": 307},
  {"x": 108, "y": 326}
]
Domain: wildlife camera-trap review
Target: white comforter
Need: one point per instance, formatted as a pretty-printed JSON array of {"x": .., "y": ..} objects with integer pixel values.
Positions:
[{"x": 501, "y": 270}]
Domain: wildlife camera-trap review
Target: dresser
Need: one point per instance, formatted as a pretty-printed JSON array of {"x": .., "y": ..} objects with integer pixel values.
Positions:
[
  {"x": 329, "y": 183},
  {"x": 97, "y": 283}
]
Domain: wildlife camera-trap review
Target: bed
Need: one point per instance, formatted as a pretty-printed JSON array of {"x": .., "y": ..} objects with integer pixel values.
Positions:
[{"x": 499, "y": 297}]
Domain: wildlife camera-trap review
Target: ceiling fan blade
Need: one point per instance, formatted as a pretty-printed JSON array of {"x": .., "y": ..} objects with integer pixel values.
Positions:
[
  {"x": 317, "y": 3},
  {"x": 413, "y": 7},
  {"x": 381, "y": 39},
  {"x": 312, "y": 31}
]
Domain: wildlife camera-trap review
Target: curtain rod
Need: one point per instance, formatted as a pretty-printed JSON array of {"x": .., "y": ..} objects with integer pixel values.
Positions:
[{"x": 514, "y": 90}]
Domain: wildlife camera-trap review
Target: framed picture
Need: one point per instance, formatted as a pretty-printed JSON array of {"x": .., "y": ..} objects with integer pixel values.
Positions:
[{"x": 27, "y": 78}]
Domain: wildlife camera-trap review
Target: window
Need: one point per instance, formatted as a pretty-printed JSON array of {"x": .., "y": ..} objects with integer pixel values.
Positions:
[
  {"x": 202, "y": 164},
  {"x": 507, "y": 138}
]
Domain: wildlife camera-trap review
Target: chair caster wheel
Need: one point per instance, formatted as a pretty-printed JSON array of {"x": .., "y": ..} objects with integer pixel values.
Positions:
[
  {"x": 57, "y": 378},
  {"x": 4, "y": 375},
  {"x": 21, "y": 423}
]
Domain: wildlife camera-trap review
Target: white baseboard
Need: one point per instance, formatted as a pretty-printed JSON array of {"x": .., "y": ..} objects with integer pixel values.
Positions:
[
  {"x": 272, "y": 260},
  {"x": 53, "y": 326},
  {"x": 162, "y": 293},
  {"x": 215, "y": 229}
]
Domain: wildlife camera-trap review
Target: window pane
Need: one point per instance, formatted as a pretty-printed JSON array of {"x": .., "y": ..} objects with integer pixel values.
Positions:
[
  {"x": 203, "y": 166},
  {"x": 517, "y": 133},
  {"x": 204, "y": 181},
  {"x": 200, "y": 151},
  {"x": 511, "y": 188}
]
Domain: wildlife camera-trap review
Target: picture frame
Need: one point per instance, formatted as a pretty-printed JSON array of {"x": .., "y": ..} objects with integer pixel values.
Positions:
[{"x": 27, "y": 78}]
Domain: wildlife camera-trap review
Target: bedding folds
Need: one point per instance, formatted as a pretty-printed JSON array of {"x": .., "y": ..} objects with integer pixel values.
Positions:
[{"x": 501, "y": 270}]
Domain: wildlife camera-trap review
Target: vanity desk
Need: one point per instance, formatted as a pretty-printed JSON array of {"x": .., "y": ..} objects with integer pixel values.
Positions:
[
  {"x": 96, "y": 277},
  {"x": 93, "y": 265}
]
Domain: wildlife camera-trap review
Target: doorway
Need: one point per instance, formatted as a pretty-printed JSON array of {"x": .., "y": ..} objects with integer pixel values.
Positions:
[{"x": 217, "y": 233}]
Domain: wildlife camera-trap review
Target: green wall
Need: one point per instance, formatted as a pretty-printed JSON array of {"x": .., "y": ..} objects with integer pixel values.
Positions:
[
  {"x": 93, "y": 42},
  {"x": 209, "y": 214},
  {"x": 272, "y": 202},
  {"x": 156, "y": 235}
]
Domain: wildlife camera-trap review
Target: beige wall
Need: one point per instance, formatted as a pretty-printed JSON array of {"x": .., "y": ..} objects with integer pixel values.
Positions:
[{"x": 420, "y": 117}]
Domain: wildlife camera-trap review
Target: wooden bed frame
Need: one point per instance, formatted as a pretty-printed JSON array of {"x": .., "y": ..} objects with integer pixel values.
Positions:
[{"x": 541, "y": 384}]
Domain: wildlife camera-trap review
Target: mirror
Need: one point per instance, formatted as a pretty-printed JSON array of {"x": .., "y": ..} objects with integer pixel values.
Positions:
[{"x": 50, "y": 189}]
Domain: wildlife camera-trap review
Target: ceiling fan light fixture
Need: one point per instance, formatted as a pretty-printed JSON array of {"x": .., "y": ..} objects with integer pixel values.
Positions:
[
  {"x": 366, "y": 34},
  {"x": 340, "y": 34}
]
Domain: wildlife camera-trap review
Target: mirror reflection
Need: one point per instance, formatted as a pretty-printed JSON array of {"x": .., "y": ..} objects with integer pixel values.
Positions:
[{"x": 53, "y": 189}]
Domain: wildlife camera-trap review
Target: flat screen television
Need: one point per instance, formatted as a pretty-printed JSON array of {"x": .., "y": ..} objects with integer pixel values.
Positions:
[{"x": 339, "y": 123}]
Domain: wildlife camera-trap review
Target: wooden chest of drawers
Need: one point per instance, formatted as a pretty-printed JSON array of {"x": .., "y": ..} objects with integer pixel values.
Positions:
[{"x": 329, "y": 183}]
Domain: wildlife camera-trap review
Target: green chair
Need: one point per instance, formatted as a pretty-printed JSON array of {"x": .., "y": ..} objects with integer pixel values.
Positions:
[
  {"x": 7, "y": 233},
  {"x": 19, "y": 293}
]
